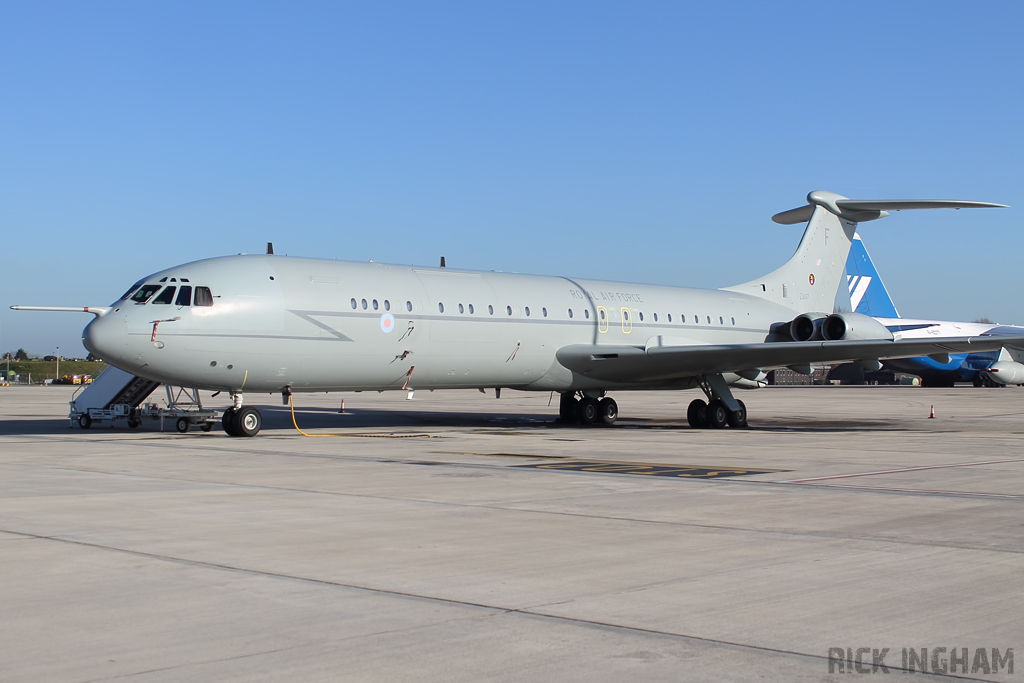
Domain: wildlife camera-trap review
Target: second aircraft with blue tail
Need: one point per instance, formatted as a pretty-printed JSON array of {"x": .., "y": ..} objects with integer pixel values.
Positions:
[{"x": 868, "y": 296}]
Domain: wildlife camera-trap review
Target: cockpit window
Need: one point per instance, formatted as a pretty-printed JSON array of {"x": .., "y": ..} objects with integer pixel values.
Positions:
[
  {"x": 204, "y": 297},
  {"x": 184, "y": 296},
  {"x": 131, "y": 290},
  {"x": 166, "y": 296},
  {"x": 144, "y": 293}
]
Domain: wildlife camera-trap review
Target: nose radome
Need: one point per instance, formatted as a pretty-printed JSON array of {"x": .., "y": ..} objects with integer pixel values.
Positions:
[{"x": 105, "y": 337}]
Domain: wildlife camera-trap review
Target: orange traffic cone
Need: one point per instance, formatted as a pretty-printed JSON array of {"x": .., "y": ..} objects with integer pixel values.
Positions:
[
  {"x": 342, "y": 406},
  {"x": 932, "y": 414}
]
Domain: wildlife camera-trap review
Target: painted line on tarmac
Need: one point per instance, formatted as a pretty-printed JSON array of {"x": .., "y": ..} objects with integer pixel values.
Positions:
[
  {"x": 909, "y": 490},
  {"x": 906, "y": 469},
  {"x": 647, "y": 469}
]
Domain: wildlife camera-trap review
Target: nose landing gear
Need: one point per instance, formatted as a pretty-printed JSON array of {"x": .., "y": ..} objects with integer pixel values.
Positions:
[{"x": 239, "y": 421}]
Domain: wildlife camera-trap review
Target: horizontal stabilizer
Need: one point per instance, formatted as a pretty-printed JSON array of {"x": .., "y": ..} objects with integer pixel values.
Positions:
[{"x": 860, "y": 210}]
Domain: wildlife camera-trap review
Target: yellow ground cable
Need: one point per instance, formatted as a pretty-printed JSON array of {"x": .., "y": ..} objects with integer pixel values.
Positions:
[{"x": 291, "y": 404}]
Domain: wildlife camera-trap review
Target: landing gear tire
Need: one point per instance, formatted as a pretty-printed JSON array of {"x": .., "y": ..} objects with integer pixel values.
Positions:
[
  {"x": 587, "y": 411},
  {"x": 738, "y": 418},
  {"x": 134, "y": 422},
  {"x": 84, "y": 421},
  {"x": 697, "y": 414},
  {"x": 206, "y": 426},
  {"x": 182, "y": 424},
  {"x": 608, "y": 409},
  {"x": 228, "y": 422},
  {"x": 718, "y": 414},
  {"x": 567, "y": 408},
  {"x": 248, "y": 422}
]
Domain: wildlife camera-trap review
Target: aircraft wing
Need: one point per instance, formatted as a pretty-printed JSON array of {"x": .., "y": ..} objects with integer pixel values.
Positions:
[{"x": 636, "y": 363}]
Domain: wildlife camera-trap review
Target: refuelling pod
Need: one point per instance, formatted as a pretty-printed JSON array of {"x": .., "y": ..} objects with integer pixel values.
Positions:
[
  {"x": 853, "y": 326},
  {"x": 1006, "y": 372},
  {"x": 806, "y": 327}
]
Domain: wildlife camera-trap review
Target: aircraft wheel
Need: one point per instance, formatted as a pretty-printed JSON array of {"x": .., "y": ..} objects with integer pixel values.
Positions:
[
  {"x": 587, "y": 411},
  {"x": 567, "y": 407},
  {"x": 248, "y": 422},
  {"x": 228, "y": 422},
  {"x": 718, "y": 414},
  {"x": 608, "y": 409},
  {"x": 134, "y": 422},
  {"x": 738, "y": 418},
  {"x": 206, "y": 426},
  {"x": 84, "y": 421},
  {"x": 697, "y": 414},
  {"x": 182, "y": 424}
]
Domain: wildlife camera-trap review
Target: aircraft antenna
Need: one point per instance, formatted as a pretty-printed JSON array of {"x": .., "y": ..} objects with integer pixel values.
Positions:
[
  {"x": 270, "y": 247},
  {"x": 442, "y": 262}
]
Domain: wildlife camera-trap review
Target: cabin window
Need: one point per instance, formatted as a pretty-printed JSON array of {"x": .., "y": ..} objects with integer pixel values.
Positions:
[
  {"x": 354, "y": 304},
  {"x": 408, "y": 306},
  {"x": 132, "y": 289},
  {"x": 387, "y": 305},
  {"x": 166, "y": 296},
  {"x": 655, "y": 317},
  {"x": 184, "y": 296},
  {"x": 461, "y": 309},
  {"x": 471, "y": 309},
  {"x": 721, "y": 320},
  {"x": 544, "y": 312},
  {"x": 682, "y": 318},
  {"x": 641, "y": 316},
  {"x": 144, "y": 293},
  {"x": 362, "y": 302},
  {"x": 570, "y": 312},
  {"x": 375, "y": 304},
  {"x": 709, "y": 320},
  {"x": 670, "y": 317},
  {"x": 696, "y": 320},
  {"x": 601, "y": 313},
  {"x": 440, "y": 307},
  {"x": 527, "y": 311},
  {"x": 734, "y": 321},
  {"x": 509, "y": 309},
  {"x": 586, "y": 313},
  {"x": 204, "y": 297},
  {"x": 490, "y": 309}
]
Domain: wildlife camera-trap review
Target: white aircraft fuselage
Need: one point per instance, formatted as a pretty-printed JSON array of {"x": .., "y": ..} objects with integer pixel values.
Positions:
[{"x": 281, "y": 322}]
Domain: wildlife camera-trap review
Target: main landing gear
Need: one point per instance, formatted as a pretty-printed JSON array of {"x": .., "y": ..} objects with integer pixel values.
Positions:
[
  {"x": 587, "y": 409},
  {"x": 720, "y": 410},
  {"x": 239, "y": 421}
]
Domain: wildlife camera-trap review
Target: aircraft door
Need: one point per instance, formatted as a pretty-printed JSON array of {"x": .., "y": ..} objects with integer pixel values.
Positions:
[{"x": 627, "y": 321}]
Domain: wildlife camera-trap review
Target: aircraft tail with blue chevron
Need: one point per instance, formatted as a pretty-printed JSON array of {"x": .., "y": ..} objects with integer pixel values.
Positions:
[{"x": 868, "y": 294}]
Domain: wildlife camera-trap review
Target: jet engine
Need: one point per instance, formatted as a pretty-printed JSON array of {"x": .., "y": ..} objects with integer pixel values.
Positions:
[
  {"x": 853, "y": 326},
  {"x": 806, "y": 327},
  {"x": 1006, "y": 372}
]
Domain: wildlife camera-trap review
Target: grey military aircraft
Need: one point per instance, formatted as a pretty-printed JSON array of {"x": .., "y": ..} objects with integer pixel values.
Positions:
[{"x": 265, "y": 323}]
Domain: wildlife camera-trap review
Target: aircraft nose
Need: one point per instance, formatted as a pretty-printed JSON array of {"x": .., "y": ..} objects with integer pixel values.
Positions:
[{"x": 105, "y": 337}]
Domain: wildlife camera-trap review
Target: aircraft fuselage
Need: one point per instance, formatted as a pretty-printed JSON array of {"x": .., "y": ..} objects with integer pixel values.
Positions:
[{"x": 281, "y": 322}]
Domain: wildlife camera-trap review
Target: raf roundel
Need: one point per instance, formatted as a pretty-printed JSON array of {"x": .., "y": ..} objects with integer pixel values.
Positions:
[{"x": 387, "y": 322}]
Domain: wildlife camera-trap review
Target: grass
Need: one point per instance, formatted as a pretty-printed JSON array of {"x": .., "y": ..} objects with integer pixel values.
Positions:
[{"x": 41, "y": 370}]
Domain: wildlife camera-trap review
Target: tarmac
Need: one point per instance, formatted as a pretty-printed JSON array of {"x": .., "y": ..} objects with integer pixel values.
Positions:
[{"x": 490, "y": 543}]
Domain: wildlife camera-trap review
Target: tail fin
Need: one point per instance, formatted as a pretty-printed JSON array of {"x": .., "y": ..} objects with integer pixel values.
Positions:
[
  {"x": 867, "y": 293},
  {"x": 810, "y": 280}
]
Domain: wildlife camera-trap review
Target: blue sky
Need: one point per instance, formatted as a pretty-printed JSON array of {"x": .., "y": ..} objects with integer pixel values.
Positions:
[{"x": 645, "y": 142}]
